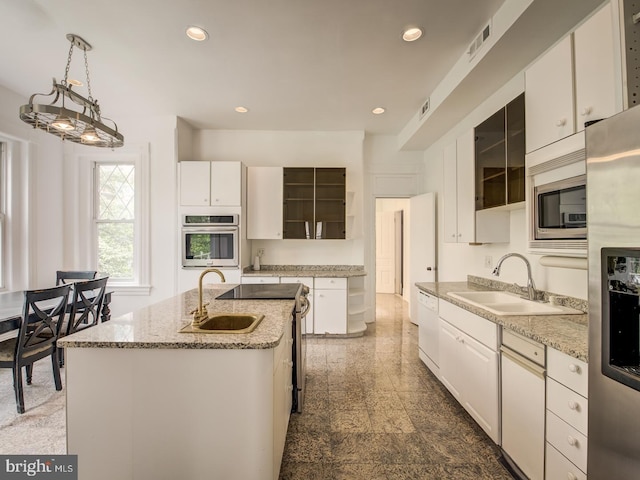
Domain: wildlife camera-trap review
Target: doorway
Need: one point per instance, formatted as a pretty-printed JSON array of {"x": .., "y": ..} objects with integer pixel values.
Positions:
[{"x": 391, "y": 258}]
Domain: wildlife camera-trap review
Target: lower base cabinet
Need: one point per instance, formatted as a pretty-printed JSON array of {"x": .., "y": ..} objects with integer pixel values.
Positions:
[
  {"x": 330, "y": 306},
  {"x": 469, "y": 365}
]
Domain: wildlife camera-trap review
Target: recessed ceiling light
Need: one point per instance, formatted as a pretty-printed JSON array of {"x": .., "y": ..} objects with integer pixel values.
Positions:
[
  {"x": 412, "y": 34},
  {"x": 378, "y": 111},
  {"x": 196, "y": 33},
  {"x": 241, "y": 109}
]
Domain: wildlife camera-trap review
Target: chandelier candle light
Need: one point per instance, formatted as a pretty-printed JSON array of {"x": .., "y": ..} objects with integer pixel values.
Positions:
[{"x": 84, "y": 125}]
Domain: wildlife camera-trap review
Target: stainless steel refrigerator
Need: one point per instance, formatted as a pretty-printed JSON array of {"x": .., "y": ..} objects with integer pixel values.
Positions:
[{"x": 613, "y": 216}]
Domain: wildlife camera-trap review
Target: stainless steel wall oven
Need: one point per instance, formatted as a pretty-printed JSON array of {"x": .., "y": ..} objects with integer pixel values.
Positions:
[{"x": 210, "y": 240}]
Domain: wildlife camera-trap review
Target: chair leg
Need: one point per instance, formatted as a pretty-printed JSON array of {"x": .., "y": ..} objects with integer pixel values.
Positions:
[
  {"x": 61, "y": 357},
  {"x": 17, "y": 387},
  {"x": 56, "y": 370},
  {"x": 29, "y": 369}
]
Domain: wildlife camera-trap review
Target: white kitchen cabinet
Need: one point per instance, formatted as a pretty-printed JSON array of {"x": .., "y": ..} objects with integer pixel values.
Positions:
[
  {"x": 462, "y": 224},
  {"x": 330, "y": 310},
  {"x": 264, "y": 202},
  {"x": 356, "y": 307},
  {"x": 210, "y": 183},
  {"x": 552, "y": 112},
  {"x": 429, "y": 331},
  {"x": 194, "y": 183},
  {"x": 469, "y": 364},
  {"x": 283, "y": 395},
  {"x": 226, "y": 184},
  {"x": 259, "y": 279},
  {"x": 567, "y": 416}
]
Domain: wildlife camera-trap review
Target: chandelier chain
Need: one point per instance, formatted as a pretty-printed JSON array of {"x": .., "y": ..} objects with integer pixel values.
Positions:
[
  {"x": 86, "y": 67},
  {"x": 66, "y": 70}
]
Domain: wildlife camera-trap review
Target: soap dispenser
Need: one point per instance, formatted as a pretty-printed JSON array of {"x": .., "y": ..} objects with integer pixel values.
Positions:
[{"x": 256, "y": 262}]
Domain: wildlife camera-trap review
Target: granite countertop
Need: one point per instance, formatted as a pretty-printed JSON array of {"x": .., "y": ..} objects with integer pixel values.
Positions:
[
  {"x": 327, "y": 271},
  {"x": 566, "y": 333},
  {"x": 157, "y": 325}
]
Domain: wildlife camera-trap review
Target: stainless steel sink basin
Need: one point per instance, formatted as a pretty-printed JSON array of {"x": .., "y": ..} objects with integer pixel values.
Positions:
[
  {"x": 505, "y": 303},
  {"x": 226, "y": 323}
]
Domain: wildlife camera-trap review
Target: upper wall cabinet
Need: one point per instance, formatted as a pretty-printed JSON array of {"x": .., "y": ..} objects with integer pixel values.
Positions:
[
  {"x": 210, "y": 183},
  {"x": 582, "y": 64},
  {"x": 499, "y": 157},
  {"x": 314, "y": 203},
  {"x": 264, "y": 203},
  {"x": 462, "y": 224}
]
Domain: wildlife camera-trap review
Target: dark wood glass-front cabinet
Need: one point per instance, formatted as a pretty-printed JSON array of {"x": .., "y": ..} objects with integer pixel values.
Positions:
[{"x": 314, "y": 203}]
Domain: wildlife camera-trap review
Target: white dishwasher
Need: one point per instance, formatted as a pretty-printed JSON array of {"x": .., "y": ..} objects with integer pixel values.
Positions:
[
  {"x": 523, "y": 405},
  {"x": 428, "y": 331}
]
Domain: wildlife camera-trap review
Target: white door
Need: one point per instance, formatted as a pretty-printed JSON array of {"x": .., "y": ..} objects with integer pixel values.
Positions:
[
  {"x": 422, "y": 245},
  {"x": 385, "y": 252}
]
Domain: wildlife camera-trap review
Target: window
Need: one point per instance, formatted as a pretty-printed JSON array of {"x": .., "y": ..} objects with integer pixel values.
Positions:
[
  {"x": 119, "y": 214},
  {"x": 115, "y": 220}
]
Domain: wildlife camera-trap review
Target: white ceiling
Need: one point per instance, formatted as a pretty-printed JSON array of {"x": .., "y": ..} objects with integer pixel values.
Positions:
[{"x": 296, "y": 64}]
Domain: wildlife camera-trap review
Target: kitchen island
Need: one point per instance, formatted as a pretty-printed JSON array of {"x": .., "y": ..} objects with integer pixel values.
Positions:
[{"x": 145, "y": 401}]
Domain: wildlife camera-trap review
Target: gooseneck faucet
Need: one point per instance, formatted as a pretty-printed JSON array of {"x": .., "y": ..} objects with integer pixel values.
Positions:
[
  {"x": 201, "y": 313},
  {"x": 531, "y": 287}
]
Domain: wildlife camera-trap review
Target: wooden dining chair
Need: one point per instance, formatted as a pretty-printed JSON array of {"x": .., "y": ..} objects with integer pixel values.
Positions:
[
  {"x": 85, "y": 309},
  {"x": 42, "y": 318},
  {"x": 70, "y": 276}
]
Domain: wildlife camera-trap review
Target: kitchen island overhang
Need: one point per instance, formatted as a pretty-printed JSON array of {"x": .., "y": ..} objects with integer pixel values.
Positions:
[{"x": 144, "y": 401}]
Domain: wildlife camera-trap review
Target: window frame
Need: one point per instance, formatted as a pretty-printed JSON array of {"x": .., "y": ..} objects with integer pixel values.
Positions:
[{"x": 138, "y": 156}]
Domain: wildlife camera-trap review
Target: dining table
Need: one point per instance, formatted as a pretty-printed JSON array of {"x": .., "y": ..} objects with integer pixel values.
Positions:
[{"x": 12, "y": 306}]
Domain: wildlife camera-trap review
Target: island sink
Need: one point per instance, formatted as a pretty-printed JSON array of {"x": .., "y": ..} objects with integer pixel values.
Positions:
[{"x": 225, "y": 323}]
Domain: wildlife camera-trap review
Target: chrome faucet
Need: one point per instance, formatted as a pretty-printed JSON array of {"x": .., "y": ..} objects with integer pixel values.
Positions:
[
  {"x": 201, "y": 313},
  {"x": 531, "y": 287}
]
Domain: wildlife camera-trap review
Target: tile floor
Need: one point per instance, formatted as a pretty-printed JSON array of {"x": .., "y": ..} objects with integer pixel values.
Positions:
[{"x": 374, "y": 411}]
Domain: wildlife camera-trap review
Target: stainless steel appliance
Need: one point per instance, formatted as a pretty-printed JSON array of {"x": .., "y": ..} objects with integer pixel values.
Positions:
[
  {"x": 613, "y": 199},
  {"x": 284, "y": 291},
  {"x": 556, "y": 196},
  {"x": 210, "y": 240}
]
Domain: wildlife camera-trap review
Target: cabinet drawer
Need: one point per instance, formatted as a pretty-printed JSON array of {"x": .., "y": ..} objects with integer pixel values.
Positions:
[
  {"x": 567, "y": 370},
  {"x": 308, "y": 281},
  {"x": 567, "y": 440},
  {"x": 485, "y": 331},
  {"x": 330, "y": 283},
  {"x": 256, "y": 279},
  {"x": 568, "y": 405},
  {"x": 558, "y": 467}
]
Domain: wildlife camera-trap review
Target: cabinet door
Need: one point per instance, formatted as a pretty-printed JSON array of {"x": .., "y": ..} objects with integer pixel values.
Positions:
[
  {"x": 226, "y": 183},
  {"x": 549, "y": 97},
  {"x": 450, "y": 207},
  {"x": 595, "y": 68},
  {"x": 264, "y": 203},
  {"x": 479, "y": 365},
  {"x": 194, "y": 183},
  {"x": 330, "y": 311},
  {"x": 465, "y": 146},
  {"x": 451, "y": 374}
]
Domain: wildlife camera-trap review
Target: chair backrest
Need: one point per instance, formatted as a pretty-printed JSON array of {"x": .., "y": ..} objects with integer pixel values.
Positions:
[
  {"x": 86, "y": 305},
  {"x": 69, "y": 276},
  {"x": 42, "y": 317}
]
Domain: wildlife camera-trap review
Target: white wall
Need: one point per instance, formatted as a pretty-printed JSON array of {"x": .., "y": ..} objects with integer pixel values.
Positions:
[{"x": 456, "y": 261}]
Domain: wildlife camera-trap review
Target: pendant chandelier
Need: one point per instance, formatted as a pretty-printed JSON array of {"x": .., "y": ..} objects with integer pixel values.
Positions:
[{"x": 69, "y": 115}]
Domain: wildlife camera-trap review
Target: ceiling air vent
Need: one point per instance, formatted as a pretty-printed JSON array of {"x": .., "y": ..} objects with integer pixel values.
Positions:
[
  {"x": 424, "y": 109},
  {"x": 479, "y": 41}
]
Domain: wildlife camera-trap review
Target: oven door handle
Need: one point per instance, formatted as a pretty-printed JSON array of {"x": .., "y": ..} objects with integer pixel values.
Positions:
[{"x": 305, "y": 304}]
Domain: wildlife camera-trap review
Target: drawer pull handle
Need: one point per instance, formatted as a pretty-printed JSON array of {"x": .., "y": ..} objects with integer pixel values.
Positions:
[
  {"x": 573, "y": 405},
  {"x": 573, "y": 368},
  {"x": 572, "y": 441},
  {"x": 571, "y": 476},
  {"x": 561, "y": 123}
]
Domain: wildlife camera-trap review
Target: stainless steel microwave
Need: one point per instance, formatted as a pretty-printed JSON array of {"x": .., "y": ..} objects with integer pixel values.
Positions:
[
  {"x": 560, "y": 209},
  {"x": 210, "y": 241}
]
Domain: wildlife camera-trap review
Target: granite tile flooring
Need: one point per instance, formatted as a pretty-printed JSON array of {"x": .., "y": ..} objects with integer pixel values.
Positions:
[{"x": 374, "y": 411}]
